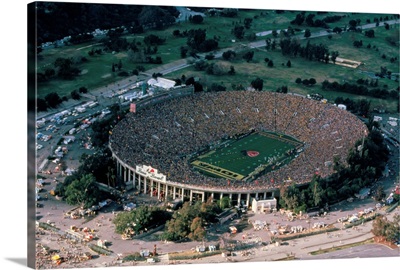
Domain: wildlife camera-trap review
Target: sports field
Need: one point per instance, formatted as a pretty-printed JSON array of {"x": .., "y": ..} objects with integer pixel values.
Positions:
[{"x": 252, "y": 154}]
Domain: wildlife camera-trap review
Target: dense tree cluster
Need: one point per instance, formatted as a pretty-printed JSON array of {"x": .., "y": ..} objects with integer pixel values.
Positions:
[
  {"x": 359, "y": 89},
  {"x": 366, "y": 163},
  {"x": 310, "y": 20},
  {"x": 387, "y": 230},
  {"x": 188, "y": 221},
  {"x": 360, "y": 106},
  {"x": 82, "y": 191},
  {"x": 140, "y": 219},
  {"x": 292, "y": 47},
  {"x": 229, "y": 55},
  {"x": 56, "y": 20},
  {"x": 198, "y": 42}
]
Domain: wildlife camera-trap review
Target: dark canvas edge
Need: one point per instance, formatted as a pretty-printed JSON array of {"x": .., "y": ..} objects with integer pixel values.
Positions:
[{"x": 31, "y": 115}]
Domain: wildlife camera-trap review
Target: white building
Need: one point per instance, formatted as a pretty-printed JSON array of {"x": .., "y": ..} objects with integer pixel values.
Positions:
[{"x": 262, "y": 206}]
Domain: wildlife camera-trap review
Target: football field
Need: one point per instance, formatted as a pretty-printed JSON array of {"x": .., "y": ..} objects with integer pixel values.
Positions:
[{"x": 240, "y": 158}]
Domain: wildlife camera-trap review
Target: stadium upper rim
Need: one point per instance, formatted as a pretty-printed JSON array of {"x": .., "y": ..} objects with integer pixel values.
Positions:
[{"x": 166, "y": 135}]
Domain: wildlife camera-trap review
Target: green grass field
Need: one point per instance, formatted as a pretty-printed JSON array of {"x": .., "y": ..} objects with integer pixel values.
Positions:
[
  {"x": 232, "y": 161},
  {"x": 96, "y": 71}
]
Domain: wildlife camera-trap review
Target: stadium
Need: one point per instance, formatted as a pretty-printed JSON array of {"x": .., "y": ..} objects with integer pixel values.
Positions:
[{"x": 237, "y": 144}]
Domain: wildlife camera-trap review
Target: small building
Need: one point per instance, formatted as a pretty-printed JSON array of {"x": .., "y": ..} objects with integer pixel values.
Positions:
[{"x": 262, "y": 206}]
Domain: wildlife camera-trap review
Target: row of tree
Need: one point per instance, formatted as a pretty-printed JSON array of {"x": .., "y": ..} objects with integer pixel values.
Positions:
[
  {"x": 53, "y": 100},
  {"x": 358, "y": 89},
  {"x": 320, "y": 52},
  {"x": 310, "y": 20}
]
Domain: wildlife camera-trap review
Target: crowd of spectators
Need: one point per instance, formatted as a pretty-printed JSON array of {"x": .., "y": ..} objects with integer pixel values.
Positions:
[{"x": 166, "y": 135}]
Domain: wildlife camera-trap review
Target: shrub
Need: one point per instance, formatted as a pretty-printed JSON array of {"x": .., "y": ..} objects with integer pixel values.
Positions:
[
  {"x": 133, "y": 257},
  {"x": 391, "y": 208},
  {"x": 123, "y": 74},
  {"x": 100, "y": 250}
]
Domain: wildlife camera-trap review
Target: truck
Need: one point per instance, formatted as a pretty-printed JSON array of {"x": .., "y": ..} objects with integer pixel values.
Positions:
[
  {"x": 94, "y": 104},
  {"x": 80, "y": 109},
  {"x": 40, "y": 123},
  {"x": 72, "y": 131}
]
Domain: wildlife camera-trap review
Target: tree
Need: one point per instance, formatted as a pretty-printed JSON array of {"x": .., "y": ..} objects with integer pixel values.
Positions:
[
  {"x": 248, "y": 56},
  {"x": 65, "y": 68},
  {"x": 196, "y": 19},
  {"x": 195, "y": 38},
  {"x": 307, "y": 33},
  {"x": 228, "y": 55},
  {"x": 306, "y": 82},
  {"x": 119, "y": 66},
  {"x": 380, "y": 193},
  {"x": 201, "y": 65},
  {"x": 183, "y": 51},
  {"x": 289, "y": 64},
  {"x": 231, "y": 70},
  {"x": 312, "y": 81},
  {"x": 52, "y": 99},
  {"x": 357, "y": 43},
  {"x": 153, "y": 40},
  {"x": 41, "y": 104},
  {"x": 208, "y": 45},
  {"x": 238, "y": 31},
  {"x": 75, "y": 95},
  {"x": 370, "y": 33},
  {"x": 180, "y": 225},
  {"x": 83, "y": 90},
  {"x": 385, "y": 229},
  {"x": 337, "y": 30},
  {"x": 197, "y": 231},
  {"x": 209, "y": 56},
  {"x": 141, "y": 219},
  {"x": 334, "y": 55},
  {"x": 83, "y": 192},
  {"x": 155, "y": 16},
  {"x": 215, "y": 87},
  {"x": 257, "y": 84},
  {"x": 290, "y": 197},
  {"x": 270, "y": 63},
  {"x": 282, "y": 89},
  {"x": 224, "y": 203},
  {"x": 247, "y": 22},
  {"x": 316, "y": 191},
  {"x": 352, "y": 25},
  {"x": 49, "y": 73}
]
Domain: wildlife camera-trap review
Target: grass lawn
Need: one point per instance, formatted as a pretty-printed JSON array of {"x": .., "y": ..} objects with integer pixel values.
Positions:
[
  {"x": 233, "y": 162},
  {"x": 323, "y": 251},
  {"x": 96, "y": 71}
]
